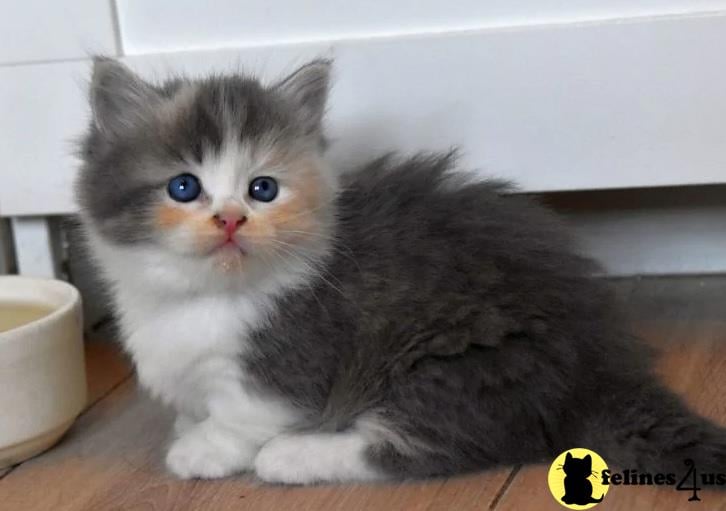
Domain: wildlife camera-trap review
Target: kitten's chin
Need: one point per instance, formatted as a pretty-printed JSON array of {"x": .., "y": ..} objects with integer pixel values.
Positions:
[{"x": 228, "y": 257}]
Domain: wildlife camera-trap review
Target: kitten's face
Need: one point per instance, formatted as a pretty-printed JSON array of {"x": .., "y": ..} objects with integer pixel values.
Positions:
[
  {"x": 222, "y": 172},
  {"x": 252, "y": 200}
]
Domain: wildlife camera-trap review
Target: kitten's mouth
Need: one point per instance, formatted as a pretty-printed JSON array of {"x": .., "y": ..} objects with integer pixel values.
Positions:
[
  {"x": 229, "y": 256},
  {"x": 230, "y": 246}
]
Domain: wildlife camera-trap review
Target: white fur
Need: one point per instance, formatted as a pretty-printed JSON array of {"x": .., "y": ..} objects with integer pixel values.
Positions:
[
  {"x": 209, "y": 450},
  {"x": 186, "y": 342},
  {"x": 315, "y": 457},
  {"x": 230, "y": 171}
]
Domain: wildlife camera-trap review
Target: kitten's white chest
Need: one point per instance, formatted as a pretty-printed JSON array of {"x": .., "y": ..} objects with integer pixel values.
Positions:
[{"x": 187, "y": 349}]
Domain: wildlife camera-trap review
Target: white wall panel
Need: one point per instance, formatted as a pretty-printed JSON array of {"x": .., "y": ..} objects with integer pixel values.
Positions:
[
  {"x": 42, "y": 30},
  {"x": 176, "y": 25},
  {"x": 556, "y": 108},
  {"x": 43, "y": 110}
]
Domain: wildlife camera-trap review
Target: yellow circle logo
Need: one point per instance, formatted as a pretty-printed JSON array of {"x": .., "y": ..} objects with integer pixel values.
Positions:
[{"x": 575, "y": 479}]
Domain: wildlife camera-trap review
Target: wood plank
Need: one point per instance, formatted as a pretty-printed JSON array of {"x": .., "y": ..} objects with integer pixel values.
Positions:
[
  {"x": 92, "y": 460},
  {"x": 112, "y": 459},
  {"x": 460, "y": 493},
  {"x": 407, "y": 496},
  {"x": 683, "y": 318},
  {"x": 119, "y": 445},
  {"x": 106, "y": 367},
  {"x": 472, "y": 492}
]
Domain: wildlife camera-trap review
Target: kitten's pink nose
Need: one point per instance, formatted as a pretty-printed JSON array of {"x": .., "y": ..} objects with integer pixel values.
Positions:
[{"x": 229, "y": 221}]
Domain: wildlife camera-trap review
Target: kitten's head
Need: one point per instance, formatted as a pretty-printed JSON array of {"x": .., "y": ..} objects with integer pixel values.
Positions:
[{"x": 222, "y": 174}]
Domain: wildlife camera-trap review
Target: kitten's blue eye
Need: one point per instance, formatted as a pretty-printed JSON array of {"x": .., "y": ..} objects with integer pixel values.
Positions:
[
  {"x": 184, "y": 188},
  {"x": 263, "y": 189}
]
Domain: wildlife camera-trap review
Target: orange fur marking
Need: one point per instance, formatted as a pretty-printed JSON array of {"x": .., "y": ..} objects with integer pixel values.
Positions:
[
  {"x": 168, "y": 217},
  {"x": 298, "y": 213},
  {"x": 199, "y": 223}
]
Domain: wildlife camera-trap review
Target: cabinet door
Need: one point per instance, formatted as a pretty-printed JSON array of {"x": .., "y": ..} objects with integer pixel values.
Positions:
[
  {"x": 42, "y": 30},
  {"x": 556, "y": 106},
  {"x": 181, "y": 25}
]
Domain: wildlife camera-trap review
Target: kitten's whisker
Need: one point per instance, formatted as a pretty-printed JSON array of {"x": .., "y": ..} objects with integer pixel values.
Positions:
[
  {"x": 337, "y": 245},
  {"x": 297, "y": 251},
  {"x": 287, "y": 265},
  {"x": 313, "y": 269},
  {"x": 305, "y": 212},
  {"x": 309, "y": 233},
  {"x": 310, "y": 264},
  {"x": 332, "y": 247}
]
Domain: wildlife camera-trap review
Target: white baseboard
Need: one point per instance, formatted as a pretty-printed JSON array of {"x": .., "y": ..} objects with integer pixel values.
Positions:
[
  {"x": 651, "y": 232},
  {"x": 656, "y": 243}
]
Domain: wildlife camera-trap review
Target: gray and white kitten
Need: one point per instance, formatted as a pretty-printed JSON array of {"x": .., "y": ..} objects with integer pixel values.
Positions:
[{"x": 393, "y": 322}]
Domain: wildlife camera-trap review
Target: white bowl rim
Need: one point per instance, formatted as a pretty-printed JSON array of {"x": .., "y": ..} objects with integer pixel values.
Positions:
[{"x": 72, "y": 293}]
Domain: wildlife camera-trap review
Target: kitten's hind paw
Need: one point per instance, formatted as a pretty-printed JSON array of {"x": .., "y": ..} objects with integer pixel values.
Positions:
[{"x": 208, "y": 452}]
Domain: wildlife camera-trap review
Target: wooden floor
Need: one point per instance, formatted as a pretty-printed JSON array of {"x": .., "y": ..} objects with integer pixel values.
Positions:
[{"x": 112, "y": 457}]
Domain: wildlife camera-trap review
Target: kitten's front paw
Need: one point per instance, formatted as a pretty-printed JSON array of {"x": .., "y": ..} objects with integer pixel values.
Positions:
[
  {"x": 207, "y": 453},
  {"x": 285, "y": 459},
  {"x": 183, "y": 424},
  {"x": 315, "y": 458}
]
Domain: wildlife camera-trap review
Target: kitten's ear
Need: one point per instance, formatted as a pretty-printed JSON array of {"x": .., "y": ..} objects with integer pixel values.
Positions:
[
  {"x": 568, "y": 457},
  {"x": 120, "y": 100},
  {"x": 308, "y": 88}
]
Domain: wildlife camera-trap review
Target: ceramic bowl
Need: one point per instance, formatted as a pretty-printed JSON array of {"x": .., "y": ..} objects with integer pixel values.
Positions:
[{"x": 42, "y": 369}]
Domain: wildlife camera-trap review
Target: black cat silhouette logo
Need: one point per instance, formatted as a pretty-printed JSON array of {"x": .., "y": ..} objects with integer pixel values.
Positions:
[{"x": 574, "y": 479}]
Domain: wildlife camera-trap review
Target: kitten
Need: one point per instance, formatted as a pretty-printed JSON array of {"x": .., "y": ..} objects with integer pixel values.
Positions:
[{"x": 392, "y": 322}]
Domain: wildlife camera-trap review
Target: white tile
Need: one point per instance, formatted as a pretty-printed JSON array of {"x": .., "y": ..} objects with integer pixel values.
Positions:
[
  {"x": 177, "y": 25},
  {"x": 42, "y": 30}
]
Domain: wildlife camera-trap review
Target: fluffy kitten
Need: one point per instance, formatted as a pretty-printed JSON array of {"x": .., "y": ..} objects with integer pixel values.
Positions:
[{"x": 391, "y": 322}]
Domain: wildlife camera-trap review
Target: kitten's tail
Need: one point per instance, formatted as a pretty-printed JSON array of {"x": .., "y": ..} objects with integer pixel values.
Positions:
[{"x": 650, "y": 429}]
